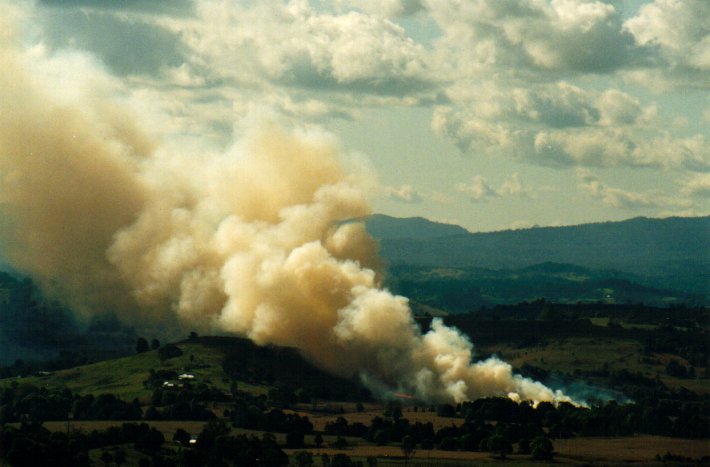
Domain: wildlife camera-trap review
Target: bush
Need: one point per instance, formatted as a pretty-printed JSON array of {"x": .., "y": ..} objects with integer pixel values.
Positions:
[
  {"x": 542, "y": 449},
  {"x": 169, "y": 351}
]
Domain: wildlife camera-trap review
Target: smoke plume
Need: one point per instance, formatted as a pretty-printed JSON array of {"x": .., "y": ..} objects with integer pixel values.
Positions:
[{"x": 250, "y": 240}]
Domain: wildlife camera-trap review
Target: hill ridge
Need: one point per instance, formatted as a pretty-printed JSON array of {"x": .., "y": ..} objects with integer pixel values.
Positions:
[{"x": 673, "y": 249}]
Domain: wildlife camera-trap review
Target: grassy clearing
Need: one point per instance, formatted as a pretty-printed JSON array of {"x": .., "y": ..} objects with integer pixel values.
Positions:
[
  {"x": 630, "y": 449},
  {"x": 641, "y": 450},
  {"x": 588, "y": 354},
  {"x": 371, "y": 410},
  {"x": 124, "y": 376},
  {"x": 167, "y": 428}
]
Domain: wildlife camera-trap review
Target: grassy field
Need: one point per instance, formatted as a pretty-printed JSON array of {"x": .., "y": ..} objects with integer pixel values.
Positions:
[
  {"x": 638, "y": 450},
  {"x": 590, "y": 354},
  {"x": 124, "y": 376},
  {"x": 630, "y": 449},
  {"x": 319, "y": 419}
]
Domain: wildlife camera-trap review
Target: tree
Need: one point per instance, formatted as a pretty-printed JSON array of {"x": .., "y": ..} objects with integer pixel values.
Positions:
[
  {"x": 155, "y": 344},
  {"x": 340, "y": 443},
  {"x": 151, "y": 440},
  {"x": 542, "y": 449},
  {"x": 119, "y": 457},
  {"x": 446, "y": 410},
  {"x": 499, "y": 444},
  {"x": 341, "y": 460},
  {"x": 303, "y": 458},
  {"x": 318, "y": 439},
  {"x": 141, "y": 345},
  {"x": 294, "y": 439},
  {"x": 393, "y": 410},
  {"x": 106, "y": 457},
  {"x": 408, "y": 445},
  {"x": 169, "y": 351},
  {"x": 524, "y": 446}
]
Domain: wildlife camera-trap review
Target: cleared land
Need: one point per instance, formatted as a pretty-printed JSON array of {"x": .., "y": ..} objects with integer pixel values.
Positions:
[{"x": 639, "y": 450}]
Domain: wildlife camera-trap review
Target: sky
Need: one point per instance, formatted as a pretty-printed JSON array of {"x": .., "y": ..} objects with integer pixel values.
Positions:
[{"x": 492, "y": 114}]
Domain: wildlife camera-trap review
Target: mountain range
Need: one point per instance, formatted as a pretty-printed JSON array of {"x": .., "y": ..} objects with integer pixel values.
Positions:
[{"x": 671, "y": 256}]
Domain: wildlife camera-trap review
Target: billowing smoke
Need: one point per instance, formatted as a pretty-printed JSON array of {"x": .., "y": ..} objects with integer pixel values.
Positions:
[{"x": 249, "y": 240}]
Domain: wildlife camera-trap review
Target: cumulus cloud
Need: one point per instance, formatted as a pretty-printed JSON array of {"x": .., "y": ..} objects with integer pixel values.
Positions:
[
  {"x": 562, "y": 124},
  {"x": 521, "y": 225},
  {"x": 535, "y": 80},
  {"x": 615, "y": 197},
  {"x": 696, "y": 185},
  {"x": 678, "y": 28},
  {"x": 562, "y": 35},
  {"x": 174, "y": 6},
  {"x": 129, "y": 44},
  {"x": 620, "y": 198},
  {"x": 537, "y": 108},
  {"x": 386, "y": 8},
  {"x": 404, "y": 193},
  {"x": 293, "y": 44},
  {"x": 480, "y": 190}
]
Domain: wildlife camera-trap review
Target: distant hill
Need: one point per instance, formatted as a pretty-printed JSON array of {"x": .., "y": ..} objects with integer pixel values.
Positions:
[
  {"x": 672, "y": 253},
  {"x": 416, "y": 228}
]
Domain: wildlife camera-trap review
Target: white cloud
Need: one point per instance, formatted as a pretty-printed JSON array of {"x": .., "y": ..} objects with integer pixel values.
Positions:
[
  {"x": 679, "y": 28},
  {"x": 385, "y": 8},
  {"x": 441, "y": 198},
  {"x": 696, "y": 185},
  {"x": 480, "y": 189},
  {"x": 406, "y": 193},
  {"x": 295, "y": 45},
  {"x": 512, "y": 187},
  {"x": 613, "y": 197},
  {"x": 520, "y": 225},
  {"x": 602, "y": 147},
  {"x": 561, "y": 124},
  {"x": 617, "y": 108},
  {"x": 403, "y": 193},
  {"x": 515, "y": 65},
  {"x": 620, "y": 198},
  {"x": 546, "y": 82},
  {"x": 571, "y": 35}
]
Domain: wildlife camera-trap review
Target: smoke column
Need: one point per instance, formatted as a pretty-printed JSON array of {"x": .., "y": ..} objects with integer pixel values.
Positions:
[{"x": 250, "y": 240}]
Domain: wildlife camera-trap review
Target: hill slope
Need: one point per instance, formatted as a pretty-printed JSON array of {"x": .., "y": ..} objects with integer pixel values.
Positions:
[
  {"x": 213, "y": 360},
  {"x": 381, "y": 226},
  {"x": 671, "y": 252}
]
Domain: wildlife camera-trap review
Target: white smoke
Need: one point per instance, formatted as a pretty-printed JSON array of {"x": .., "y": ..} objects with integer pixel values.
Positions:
[{"x": 251, "y": 240}]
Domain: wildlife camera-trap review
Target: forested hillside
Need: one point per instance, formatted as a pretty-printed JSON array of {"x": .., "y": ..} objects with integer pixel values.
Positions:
[{"x": 652, "y": 260}]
